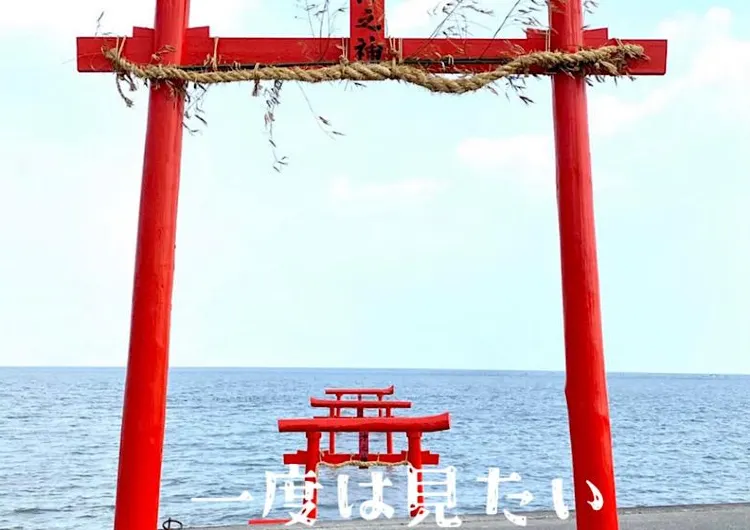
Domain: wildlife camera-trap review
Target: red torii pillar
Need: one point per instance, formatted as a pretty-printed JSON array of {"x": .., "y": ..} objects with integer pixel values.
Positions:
[
  {"x": 586, "y": 381},
  {"x": 364, "y": 438},
  {"x": 141, "y": 446},
  {"x": 145, "y": 400},
  {"x": 385, "y": 409}
]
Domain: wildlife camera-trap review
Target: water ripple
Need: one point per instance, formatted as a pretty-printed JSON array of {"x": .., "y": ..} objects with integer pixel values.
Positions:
[{"x": 677, "y": 439}]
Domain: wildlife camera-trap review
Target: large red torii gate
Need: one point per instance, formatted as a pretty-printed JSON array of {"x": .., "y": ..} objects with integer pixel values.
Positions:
[{"x": 171, "y": 42}]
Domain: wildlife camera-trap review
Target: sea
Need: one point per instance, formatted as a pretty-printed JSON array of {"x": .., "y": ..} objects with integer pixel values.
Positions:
[{"x": 678, "y": 439}]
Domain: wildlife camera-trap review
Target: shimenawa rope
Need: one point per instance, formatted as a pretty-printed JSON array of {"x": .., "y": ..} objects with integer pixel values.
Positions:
[
  {"x": 607, "y": 60},
  {"x": 363, "y": 463}
]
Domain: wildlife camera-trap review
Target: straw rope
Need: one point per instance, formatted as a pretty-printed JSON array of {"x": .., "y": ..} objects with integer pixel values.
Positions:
[
  {"x": 607, "y": 60},
  {"x": 364, "y": 463}
]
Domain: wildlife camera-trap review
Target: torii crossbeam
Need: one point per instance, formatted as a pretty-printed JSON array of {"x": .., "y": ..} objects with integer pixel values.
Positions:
[{"x": 171, "y": 42}]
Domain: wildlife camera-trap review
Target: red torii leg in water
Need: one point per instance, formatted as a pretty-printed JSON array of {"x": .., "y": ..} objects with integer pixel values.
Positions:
[
  {"x": 364, "y": 438},
  {"x": 171, "y": 42},
  {"x": 360, "y": 405}
]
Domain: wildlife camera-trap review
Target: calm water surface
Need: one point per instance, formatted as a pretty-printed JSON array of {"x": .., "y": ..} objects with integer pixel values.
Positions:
[{"x": 678, "y": 439}]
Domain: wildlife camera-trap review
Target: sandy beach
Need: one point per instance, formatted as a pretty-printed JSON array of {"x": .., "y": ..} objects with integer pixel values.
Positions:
[{"x": 688, "y": 517}]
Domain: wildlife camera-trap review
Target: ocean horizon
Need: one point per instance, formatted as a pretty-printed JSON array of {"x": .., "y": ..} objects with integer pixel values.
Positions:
[
  {"x": 361, "y": 369},
  {"x": 678, "y": 438}
]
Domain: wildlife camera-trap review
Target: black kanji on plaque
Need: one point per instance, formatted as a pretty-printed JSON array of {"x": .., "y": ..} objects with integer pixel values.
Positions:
[
  {"x": 373, "y": 51},
  {"x": 367, "y": 20}
]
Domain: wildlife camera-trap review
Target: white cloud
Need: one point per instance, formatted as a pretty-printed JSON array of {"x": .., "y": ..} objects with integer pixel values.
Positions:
[
  {"x": 528, "y": 155},
  {"x": 528, "y": 160},
  {"x": 343, "y": 190},
  {"x": 609, "y": 115},
  {"x": 719, "y": 64},
  {"x": 687, "y": 26},
  {"x": 525, "y": 161},
  {"x": 722, "y": 64},
  {"x": 408, "y": 15}
]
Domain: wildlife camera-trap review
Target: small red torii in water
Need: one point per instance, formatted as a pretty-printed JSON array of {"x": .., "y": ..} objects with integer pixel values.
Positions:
[
  {"x": 172, "y": 42},
  {"x": 413, "y": 427}
]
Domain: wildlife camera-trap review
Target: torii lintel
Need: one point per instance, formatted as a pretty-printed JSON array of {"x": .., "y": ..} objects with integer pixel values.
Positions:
[{"x": 440, "y": 55}]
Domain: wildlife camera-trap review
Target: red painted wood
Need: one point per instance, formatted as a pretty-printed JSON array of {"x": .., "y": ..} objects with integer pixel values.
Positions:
[
  {"x": 200, "y": 48},
  {"x": 467, "y": 55},
  {"x": 388, "y": 435},
  {"x": 438, "y": 422},
  {"x": 299, "y": 458},
  {"x": 586, "y": 384},
  {"x": 367, "y": 40},
  {"x": 364, "y": 436},
  {"x": 312, "y": 457},
  {"x": 144, "y": 403},
  {"x": 359, "y": 404},
  {"x": 364, "y": 446},
  {"x": 340, "y": 392},
  {"x": 416, "y": 462}
]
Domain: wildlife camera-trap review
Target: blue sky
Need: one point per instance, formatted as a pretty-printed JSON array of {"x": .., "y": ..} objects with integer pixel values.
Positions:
[{"x": 425, "y": 237}]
